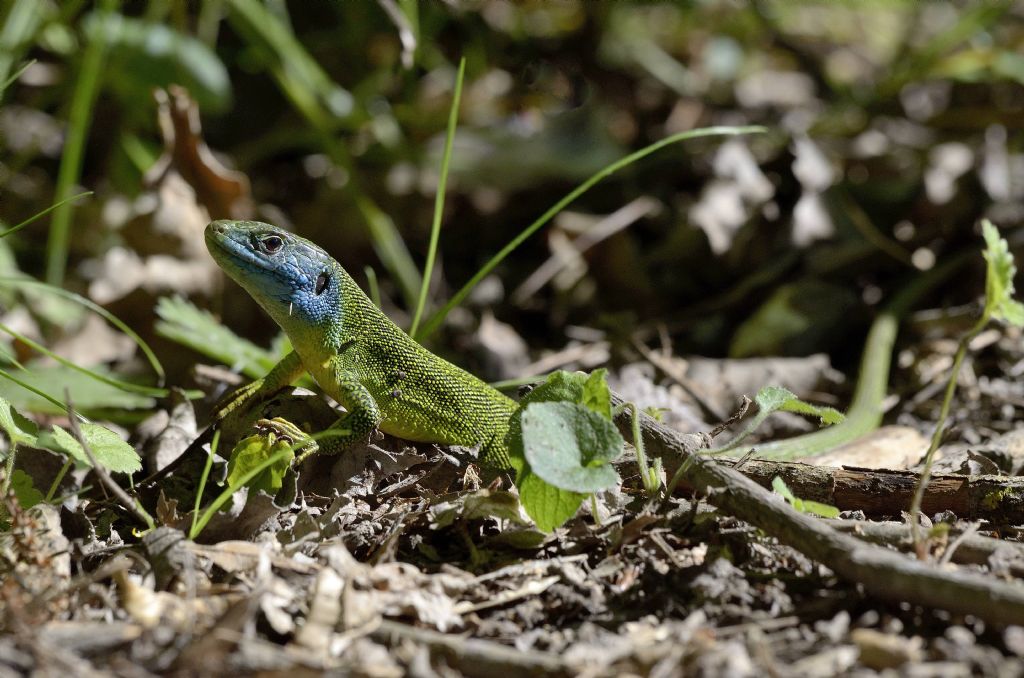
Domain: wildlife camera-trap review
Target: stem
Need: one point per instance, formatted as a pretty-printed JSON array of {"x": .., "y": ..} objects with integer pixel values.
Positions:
[
  {"x": 648, "y": 476},
  {"x": 82, "y": 102},
  {"x": 43, "y": 213},
  {"x": 4, "y": 374},
  {"x": 865, "y": 413},
  {"x": 372, "y": 288},
  {"x": 9, "y": 468},
  {"x": 197, "y": 528},
  {"x": 940, "y": 427},
  {"x": 203, "y": 479},
  {"x": 231, "y": 489},
  {"x": 110, "y": 381},
  {"x": 56, "y": 481}
]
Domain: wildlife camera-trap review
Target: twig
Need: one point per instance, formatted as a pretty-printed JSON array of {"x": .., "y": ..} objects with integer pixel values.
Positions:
[
  {"x": 881, "y": 492},
  {"x": 940, "y": 426},
  {"x": 123, "y": 497},
  {"x": 957, "y": 543},
  {"x": 973, "y": 549},
  {"x": 883, "y": 573},
  {"x": 476, "y": 657}
]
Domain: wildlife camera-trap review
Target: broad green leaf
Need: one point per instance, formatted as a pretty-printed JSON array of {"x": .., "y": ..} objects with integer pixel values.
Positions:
[
  {"x": 560, "y": 386},
  {"x": 550, "y": 506},
  {"x": 1001, "y": 268},
  {"x": 546, "y": 504},
  {"x": 110, "y": 451},
  {"x": 571, "y": 447},
  {"x": 251, "y": 452},
  {"x": 18, "y": 429},
  {"x": 596, "y": 394},
  {"x": 23, "y": 488}
]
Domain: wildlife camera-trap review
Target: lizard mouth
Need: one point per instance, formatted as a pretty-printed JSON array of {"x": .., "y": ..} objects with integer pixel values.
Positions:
[{"x": 229, "y": 250}]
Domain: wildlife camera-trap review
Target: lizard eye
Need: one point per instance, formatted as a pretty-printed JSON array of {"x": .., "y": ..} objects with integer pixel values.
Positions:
[
  {"x": 271, "y": 244},
  {"x": 322, "y": 281}
]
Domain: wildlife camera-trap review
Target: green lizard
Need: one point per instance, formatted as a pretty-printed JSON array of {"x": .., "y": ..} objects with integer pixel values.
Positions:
[{"x": 355, "y": 353}]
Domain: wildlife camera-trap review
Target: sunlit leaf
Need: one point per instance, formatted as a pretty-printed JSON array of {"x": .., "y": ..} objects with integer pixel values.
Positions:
[
  {"x": 19, "y": 430},
  {"x": 1001, "y": 269},
  {"x": 253, "y": 451},
  {"x": 571, "y": 447},
  {"x": 111, "y": 452}
]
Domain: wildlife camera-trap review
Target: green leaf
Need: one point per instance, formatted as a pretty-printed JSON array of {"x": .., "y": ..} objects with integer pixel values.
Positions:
[
  {"x": 571, "y": 447},
  {"x": 779, "y": 487},
  {"x": 546, "y": 504},
  {"x": 795, "y": 318},
  {"x": 18, "y": 429},
  {"x": 818, "y": 509},
  {"x": 183, "y": 322},
  {"x": 110, "y": 451},
  {"x": 803, "y": 505},
  {"x": 143, "y": 55},
  {"x": 88, "y": 394},
  {"x": 1000, "y": 270},
  {"x": 23, "y": 488},
  {"x": 251, "y": 452},
  {"x": 560, "y": 386},
  {"x": 596, "y": 394},
  {"x": 774, "y": 398}
]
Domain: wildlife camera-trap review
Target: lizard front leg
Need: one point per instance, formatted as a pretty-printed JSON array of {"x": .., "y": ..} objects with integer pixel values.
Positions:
[
  {"x": 236, "y": 404},
  {"x": 361, "y": 417}
]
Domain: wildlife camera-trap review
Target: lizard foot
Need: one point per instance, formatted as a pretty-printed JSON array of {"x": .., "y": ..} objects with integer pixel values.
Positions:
[{"x": 286, "y": 430}]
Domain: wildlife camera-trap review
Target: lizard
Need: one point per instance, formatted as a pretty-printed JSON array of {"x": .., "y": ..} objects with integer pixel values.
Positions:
[{"x": 381, "y": 376}]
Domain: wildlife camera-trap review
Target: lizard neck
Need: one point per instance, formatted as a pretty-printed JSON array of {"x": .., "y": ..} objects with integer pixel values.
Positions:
[{"x": 351, "y": 313}]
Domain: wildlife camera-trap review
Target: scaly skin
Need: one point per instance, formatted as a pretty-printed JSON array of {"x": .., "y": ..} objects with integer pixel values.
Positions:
[{"x": 355, "y": 353}]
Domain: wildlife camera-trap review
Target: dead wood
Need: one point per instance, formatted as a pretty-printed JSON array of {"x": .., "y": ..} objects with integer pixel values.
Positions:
[
  {"x": 880, "y": 492},
  {"x": 974, "y": 549},
  {"x": 882, "y": 572}
]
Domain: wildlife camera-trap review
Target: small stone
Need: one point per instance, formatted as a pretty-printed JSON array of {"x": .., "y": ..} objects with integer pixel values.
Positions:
[
  {"x": 1013, "y": 636},
  {"x": 885, "y": 651}
]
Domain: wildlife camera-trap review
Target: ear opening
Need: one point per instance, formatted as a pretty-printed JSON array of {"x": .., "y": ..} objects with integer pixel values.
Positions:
[{"x": 322, "y": 281}]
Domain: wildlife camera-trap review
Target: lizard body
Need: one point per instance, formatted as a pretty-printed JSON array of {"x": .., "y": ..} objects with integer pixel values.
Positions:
[{"x": 357, "y": 355}]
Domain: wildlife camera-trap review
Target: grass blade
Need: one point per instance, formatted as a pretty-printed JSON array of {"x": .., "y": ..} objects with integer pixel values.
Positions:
[
  {"x": 436, "y": 320},
  {"x": 99, "y": 310},
  {"x": 38, "y": 215},
  {"x": 82, "y": 101},
  {"x": 109, "y": 381},
  {"x": 435, "y": 228}
]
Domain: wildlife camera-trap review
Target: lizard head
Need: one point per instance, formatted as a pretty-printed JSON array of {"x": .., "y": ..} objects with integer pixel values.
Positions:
[{"x": 295, "y": 281}]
